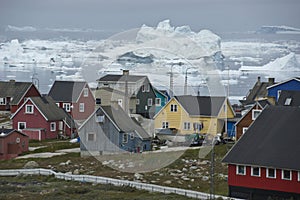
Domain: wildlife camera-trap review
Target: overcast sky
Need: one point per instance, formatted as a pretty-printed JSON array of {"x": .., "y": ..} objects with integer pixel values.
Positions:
[{"x": 216, "y": 15}]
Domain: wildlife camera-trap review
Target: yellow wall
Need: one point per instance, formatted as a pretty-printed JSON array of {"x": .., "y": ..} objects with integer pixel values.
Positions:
[{"x": 222, "y": 113}]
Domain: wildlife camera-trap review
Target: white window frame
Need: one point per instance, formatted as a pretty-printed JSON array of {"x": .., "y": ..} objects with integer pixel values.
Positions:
[
  {"x": 52, "y": 126},
  {"x": 143, "y": 88},
  {"x": 282, "y": 175},
  {"x": 186, "y": 125},
  {"x": 157, "y": 101},
  {"x": 278, "y": 94},
  {"x": 288, "y": 101},
  {"x": 57, "y": 104},
  {"x": 19, "y": 123},
  {"x": 88, "y": 138},
  {"x": 2, "y": 101},
  {"x": 27, "y": 110},
  {"x": 253, "y": 111},
  {"x": 150, "y": 102},
  {"x": 299, "y": 176},
  {"x": 81, "y": 107},
  {"x": 173, "y": 108},
  {"x": 252, "y": 172},
  {"x": 245, "y": 129},
  {"x": 85, "y": 92},
  {"x": 137, "y": 102},
  {"x": 131, "y": 136},
  {"x": 268, "y": 174},
  {"x": 125, "y": 138},
  {"x": 165, "y": 124},
  {"x": 67, "y": 107},
  {"x": 237, "y": 170}
]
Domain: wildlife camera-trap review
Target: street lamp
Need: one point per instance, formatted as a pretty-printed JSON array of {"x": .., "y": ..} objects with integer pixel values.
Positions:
[{"x": 185, "y": 81}]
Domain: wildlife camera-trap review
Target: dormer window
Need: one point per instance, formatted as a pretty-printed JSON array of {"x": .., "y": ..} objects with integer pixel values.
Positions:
[
  {"x": 288, "y": 101},
  {"x": 29, "y": 109},
  {"x": 85, "y": 92}
]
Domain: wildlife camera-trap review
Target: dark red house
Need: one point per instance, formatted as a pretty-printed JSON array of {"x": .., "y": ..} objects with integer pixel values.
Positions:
[
  {"x": 13, "y": 94},
  {"x": 265, "y": 162},
  {"x": 75, "y": 97},
  {"x": 40, "y": 118},
  {"x": 12, "y": 143}
]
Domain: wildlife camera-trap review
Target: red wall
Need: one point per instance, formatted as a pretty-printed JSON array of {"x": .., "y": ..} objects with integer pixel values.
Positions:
[
  {"x": 263, "y": 182},
  {"x": 11, "y": 139}
]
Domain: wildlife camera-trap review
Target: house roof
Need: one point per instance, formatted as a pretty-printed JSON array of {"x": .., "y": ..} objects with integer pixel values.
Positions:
[
  {"x": 6, "y": 132},
  {"x": 123, "y": 121},
  {"x": 293, "y": 95},
  {"x": 66, "y": 91},
  {"x": 121, "y": 78},
  {"x": 201, "y": 105},
  {"x": 256, "y": 105},
  {"x": 258, "y": 91},
  {"x": 14, "y": 89},
  {"x": 271, "y": 141},
  {"x": 282, "y": 82}
]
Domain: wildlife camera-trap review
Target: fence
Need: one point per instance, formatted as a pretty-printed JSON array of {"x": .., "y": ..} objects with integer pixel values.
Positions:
[{"x": 105, "y": 180}]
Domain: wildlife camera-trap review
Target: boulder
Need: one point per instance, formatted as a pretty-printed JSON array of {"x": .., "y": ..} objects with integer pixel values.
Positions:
[{"x": 31, "y": 165}]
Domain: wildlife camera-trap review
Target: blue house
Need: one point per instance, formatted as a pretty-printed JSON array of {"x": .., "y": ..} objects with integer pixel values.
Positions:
[
  {"x": 110, "y": 130},
  {"x": 161, "y": 100},
  {"x": 292, "y": 84}
]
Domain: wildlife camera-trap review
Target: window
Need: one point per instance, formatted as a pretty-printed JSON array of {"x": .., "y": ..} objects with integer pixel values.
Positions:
[
  {"x": 288, "y": 101},
  {"x": 143, "y": 88},
  {"x": 29, "y": 109},
  {"x": 245, "y": 129},
  {"x": 157, "y": 101},
  {"x": 240, "y": 170},
  {"x": 91, "y": 137},
  {"x": 147, "y": 88},
  {"x": 100, "y": 118},
  {"x": 98, "y": 101},
  {"x": 125, "y": 138},
  {"x": 85, "y": 92},
  {"x": 2, "y": 101},
  {"x": 52, "y": 126},
  {"x": 81, "y": 107},
  {"x": 255, "y": 171},
  {"x": 271, "y": 173},
  {"x": 286, "y": 175},
  {"x": 173, "y": 108},
  {"x": 57, "y": 104},
  {"x": 67, "y": 107},
  {"x": 21, "y": 125},
  {"x": 186, "y": 125},
  {"x": 165, "y": 125},
  {"x": 137, "y": 102},
  {"x": 278, "y": 94},
  {"x": 132, "y": 136},
  {"x": 255, "y": 114},
  {"x": 299, "y": 176},
  {"x": 150, "y": 102}
]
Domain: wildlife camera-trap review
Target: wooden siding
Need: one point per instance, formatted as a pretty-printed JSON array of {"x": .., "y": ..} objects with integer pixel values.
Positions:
[
  {"x": 9, "y": 148},
  {"x": 262, "y": 182},
  {"x": 290, "y": 85}
]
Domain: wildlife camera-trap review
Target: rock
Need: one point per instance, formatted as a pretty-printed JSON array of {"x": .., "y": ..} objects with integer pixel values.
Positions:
[
  {"x": 185, "y": 178},
  {"x": 204, "y": 162},
  {"x": 167, "y": 182},
  {"x": 192, "y": 180},
  {"x": 31, "y": 165},
  {"x": 205, "y": 178},
  {"x": 62, "y": 164},
  {"x": 76, "y": 171},
  {"x": 184, "y": 169},
  {"x": 138, "y": 176},
  {"x": 69, "y": 173},
  {"x": 68, "y": 162},
  {"x": 193, "y": 167}
]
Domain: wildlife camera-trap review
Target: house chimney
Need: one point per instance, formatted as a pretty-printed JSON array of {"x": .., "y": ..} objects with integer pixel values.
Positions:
[
  {"x": 258, "y": 79},
  {"x": 125, "y": 72},
  {"x": 271, "y": 80}
]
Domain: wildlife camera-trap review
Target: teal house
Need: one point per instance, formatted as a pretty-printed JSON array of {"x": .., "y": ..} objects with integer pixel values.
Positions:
[{"x": 160, "y": 100}]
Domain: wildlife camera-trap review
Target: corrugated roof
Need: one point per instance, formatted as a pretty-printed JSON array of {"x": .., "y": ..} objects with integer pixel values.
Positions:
[
  {"x": 14, "y": 89},
  {"x": 201, "y": 105},
  {"x": 271, "y": 141},
  {"x": 121, "y": 78},
  {"x": 66, "y": 91},
  {"x": 124, "y": 122}
]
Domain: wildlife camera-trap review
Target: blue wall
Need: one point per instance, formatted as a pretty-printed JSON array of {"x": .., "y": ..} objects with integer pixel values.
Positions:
[
  {"x": 163, "y": 100},
  {"x": 230, "y": 129},
  {"x": 290, "y": 85}
]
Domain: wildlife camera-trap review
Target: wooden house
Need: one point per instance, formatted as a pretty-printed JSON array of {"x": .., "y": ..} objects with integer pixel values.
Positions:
[
  {"x": 40, "y": 118},
  {"x": 194, "y": 114},
  {"x": 13, "y": 94},
  {"x": 264, "y": 163},
  {"x": 12, "y": 143},
  {"x": 110, "y": 130}
]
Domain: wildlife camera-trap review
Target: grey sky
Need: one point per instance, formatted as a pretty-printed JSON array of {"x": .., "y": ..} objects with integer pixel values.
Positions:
[{"x": 216, "y": 15}]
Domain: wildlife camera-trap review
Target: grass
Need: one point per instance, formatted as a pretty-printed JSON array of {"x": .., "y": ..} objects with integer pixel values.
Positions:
[
  {"x": 163, "y": 176},
  {"x": 44, "y": 187}
]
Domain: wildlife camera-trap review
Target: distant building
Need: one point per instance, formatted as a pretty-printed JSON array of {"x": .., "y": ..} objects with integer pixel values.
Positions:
[
  {"x": 12, "y": 143},
  {"x": 264, "y": 163}
]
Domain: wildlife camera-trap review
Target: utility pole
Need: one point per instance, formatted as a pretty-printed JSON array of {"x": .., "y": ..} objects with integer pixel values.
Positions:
[
  {"x": 212, "y": 171},
  {"x": 125, "y": 73},
  {"x": 185, "y": 81}
]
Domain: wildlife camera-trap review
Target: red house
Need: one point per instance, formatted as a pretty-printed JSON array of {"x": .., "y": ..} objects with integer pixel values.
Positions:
[
  {"x": 13, "y": 94},
  {"x": 12, "y": 143},
  {"x": 265, "y": 162},
  {"x": 40, "y": 118},
  {"x": 75, "y": 97}
]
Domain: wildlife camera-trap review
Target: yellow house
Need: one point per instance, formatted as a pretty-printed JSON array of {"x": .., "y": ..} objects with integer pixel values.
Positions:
[{"x": 194, "y": 114}]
